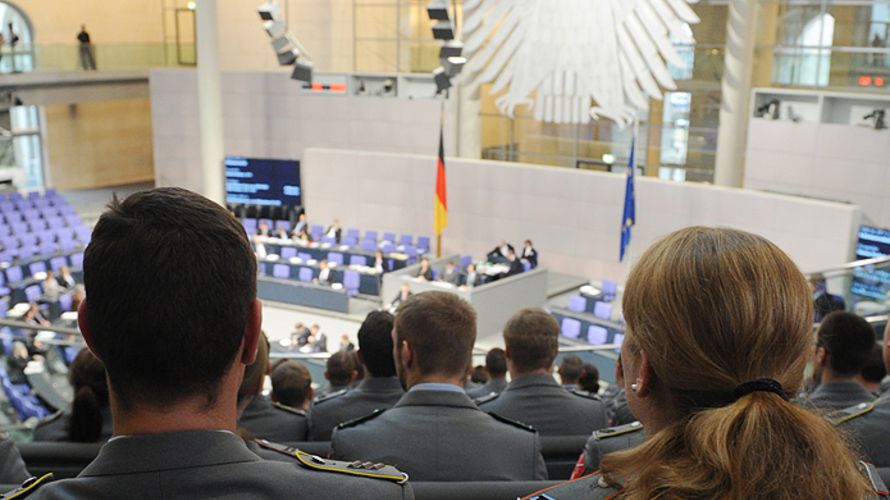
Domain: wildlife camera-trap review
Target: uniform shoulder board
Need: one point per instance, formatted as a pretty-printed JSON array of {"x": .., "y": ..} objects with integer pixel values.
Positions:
[
  {"x": 354, "y": 422},
  {"x": 582, "y": 487},
  {"x": 514, "y": 423},
  {"x": 330, "y": 396},
  {"x": 28, "y": 487},
  {"x": 874, "y": 479},
  {"x": 491, "y": 396},
  {"x": 618, "y": 430},
  {"x": 358, "y": 468},
  {"x": 841, "y": 416},
  {"x": 585, "y": 394},
  {"x": 290, "y": 409}
]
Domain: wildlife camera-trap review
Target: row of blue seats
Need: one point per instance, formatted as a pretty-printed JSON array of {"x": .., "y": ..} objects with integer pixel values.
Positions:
[
  {"x": 587, "y": 331},
  {"x": 15, "y": 274},
  {"x": 351, "y": 279},
  {"x": 20, "y": 397},
  {"x": 12, "y": 215},
  {"x": 351, "y": 237}
]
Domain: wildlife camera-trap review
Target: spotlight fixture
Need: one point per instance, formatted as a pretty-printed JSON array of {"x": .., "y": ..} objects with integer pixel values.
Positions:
[
  {"x": 878, "y": 115},
  {"x": 438, "y": 10},
  {"x": 287, "y": 48},
  {"x": 443, "y": 81},
  {"x": 451, "y": 51},
  {"x": 771, "y": 107},
  {"x": 451, "y": 48}
]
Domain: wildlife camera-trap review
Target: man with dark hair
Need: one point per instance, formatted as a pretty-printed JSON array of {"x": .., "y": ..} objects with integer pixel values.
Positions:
[
  {"x": 569, "y": 371},
  {"x": 339, "y": 372},
  {"x": 496, "y": 366},
  {"x": 533, "y": 396},
  {"x": 380, "y": 390},
  {"x": 291, "y": 385},
  {"x": 172, "y": 312},
  {"x": 874, "y": 372},
  {"x": 843, "y": 344},
  {"x": 435, "y": 431}
]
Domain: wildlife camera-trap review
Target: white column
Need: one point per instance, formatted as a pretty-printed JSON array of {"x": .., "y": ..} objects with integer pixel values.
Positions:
[
  {"x": 468, "y": 122},
  {"x": 737, "y": 72},
  {"x": 210, "y": 102}
]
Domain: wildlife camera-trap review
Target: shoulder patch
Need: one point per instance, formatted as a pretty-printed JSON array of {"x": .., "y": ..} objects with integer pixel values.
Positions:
[
  {"x": 585, "y": 394},
  {"x": 357, "y": 468},
  {"x": 356, "y": 421},
  {"x": 29, "y": 486},
  {"x": 618, "y": 431},
  {"x": 514, "y": 423},
  {"x": 290, "y": 409},
  {"x": 841, "y": 416},
  {"x": 874, "y": 479},
  {"x": 330, "y": 396},
  {"x": 491, "y": 396}
]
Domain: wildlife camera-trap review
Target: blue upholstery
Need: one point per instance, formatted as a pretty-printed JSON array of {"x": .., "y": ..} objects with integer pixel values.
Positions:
[
  {"x": 281, "y": 271},
  {"x": 56, "y": 263},
  {"x": 368, "y": 245},
  {"x": 358, "y": 260},
  {"x": 597, "y": 335},
  {"x": 618, "y": 339},
  {"x": 77, "y": 260},
  {"x": 571, "y": 328},
  {"x": 33, "y": 293},
  {"x": 423, "y": 243},
  {"x": 14, "y": 274},
  {"x": 609, "y": 288},
  {"x": 577, "y": 303},
  {"x": 288, "y": 252},
  {"x": 371, "y": 235},
  {"x": 351, "y": 281},
  {"x": 37, "y": 267},
  {"x": 306, "y": 274},
  {"x": 603, "y": 310},
  {"x": 390, "y": 237},
  {"x": 335, "y": 257},
  {"x": 406, "y": 239}
]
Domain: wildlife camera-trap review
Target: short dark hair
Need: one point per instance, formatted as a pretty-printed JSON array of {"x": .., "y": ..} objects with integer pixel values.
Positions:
[
  {"x": 291, "y": 382},
  {"x": 496, "y": 362},
  {"x": 441, "y": 328},
  {"x": 340, "y": 367},
  {"x": 375, "y": 344},
  {"x": 170, "y": 278},
  {"x": 478, "y": 375},
  {"x": 848, "y": 341},
  {"x": 570, "y": 369},
  {"x": 532, "y": 335},
  {"x": 589, "y": 379},
  {"x": 874, "y": 370}
]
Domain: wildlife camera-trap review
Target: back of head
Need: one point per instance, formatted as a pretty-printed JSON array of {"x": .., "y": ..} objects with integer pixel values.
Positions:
[
  {"x": 170, "y": 278},
  {"x": 255, "y": 374},
  {"x": 848, "y": 341},
  {"x": 87, "y": 378},
  {"x": 375, "y": 344},
  {"x": 532, "y": 339},
  {"x": 570, "y": 369},
  {"x": 340, "y": 368},
  {"x": 589, "y": 379},
  {"x": 713, "y": 309},
  {"x": 425, "y": 320},
  {"x": 496, "y": 363},
  {"x": 874, "y": 370},
  {"x": 291, "y": 384},
  {"x": 478, "y": 375}
]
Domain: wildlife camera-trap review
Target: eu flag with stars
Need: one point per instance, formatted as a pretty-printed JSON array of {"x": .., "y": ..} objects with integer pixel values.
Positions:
[{"x": 630, "y": 217}]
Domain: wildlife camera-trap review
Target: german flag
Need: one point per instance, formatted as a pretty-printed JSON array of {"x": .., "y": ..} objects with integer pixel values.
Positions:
[{"x": 441, "y": 203}]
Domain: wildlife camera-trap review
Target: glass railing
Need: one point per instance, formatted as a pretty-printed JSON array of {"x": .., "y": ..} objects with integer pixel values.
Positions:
[
  {"x": 864, "y": 285},
  {"x": 119, "y": 56}
]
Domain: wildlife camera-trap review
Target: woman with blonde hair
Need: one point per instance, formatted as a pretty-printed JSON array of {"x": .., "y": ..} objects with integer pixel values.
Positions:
[{"x": 719, "y": 328}]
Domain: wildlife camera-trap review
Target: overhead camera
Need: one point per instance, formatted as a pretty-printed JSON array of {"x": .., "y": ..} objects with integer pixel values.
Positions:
[{"x": 771, "y": 108}]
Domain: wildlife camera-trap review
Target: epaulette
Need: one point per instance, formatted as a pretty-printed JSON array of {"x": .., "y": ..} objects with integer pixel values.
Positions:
[
  {"x": 329, "y": 396},
  {"x": 357, "y": 468},
  {"x": 290, "y": 409},
  {"x": 576, "y": 488},
  {"x": 585, "y": 394},
  {"x": 52, "y": 418},
  {"x": 352, "y": 423},
  {"x": 491, "y": 396},
  {"x": 841, "y": 416},
  {"x": 618, "y": 430},
  {"x": 874, "y": 479},
  {"x": 514, "y": 423},
  {"x": 29, "y": 486}
]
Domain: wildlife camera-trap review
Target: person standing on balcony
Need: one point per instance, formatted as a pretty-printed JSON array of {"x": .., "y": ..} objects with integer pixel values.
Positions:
[{"x": 87, "y": 61}]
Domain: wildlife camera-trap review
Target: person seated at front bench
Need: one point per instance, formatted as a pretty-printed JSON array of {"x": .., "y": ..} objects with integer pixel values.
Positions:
[
  {"x": 500, "y": 253},
  {"x": 425, "y": 273},
  {"x": 324, "y": 275},
  {"x": 452, "y": 274},
  {"x": 472, "y": 279},
  {"x": 334, "y": 231}
]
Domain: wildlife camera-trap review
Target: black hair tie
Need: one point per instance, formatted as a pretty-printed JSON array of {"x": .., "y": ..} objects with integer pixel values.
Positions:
[{"x": 759, "y": 385}]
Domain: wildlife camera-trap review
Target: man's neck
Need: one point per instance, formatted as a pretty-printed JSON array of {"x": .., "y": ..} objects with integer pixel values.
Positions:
[
  {"x": 829, "y": 377},
  {"x": 189, "y": 415},
  {"x": 436, "y": 379},
  {"x": 514, "y": 373}
]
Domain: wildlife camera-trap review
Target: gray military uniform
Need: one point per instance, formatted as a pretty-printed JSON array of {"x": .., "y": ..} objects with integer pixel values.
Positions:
[
  {"x": 442, "y": 436},
  {"x": 55, "y": 426},
  {"x": 591, "y": 487},
  {"x": 538, "y": 400},
  {"x": 12, "y": 467},
  {"x": 619, "y": 410},
  {"x": 838, "y": 395},
  {"x": 328, "y": 390},
  {"x": 868, "y": 424},
  {"x": 374, "y": 393},
  {"x": 275, "y": 422},
  {"x": 215, "y": 464},
  {"x": 493, "y": 386},
  {"x": 605, "y": 441}
]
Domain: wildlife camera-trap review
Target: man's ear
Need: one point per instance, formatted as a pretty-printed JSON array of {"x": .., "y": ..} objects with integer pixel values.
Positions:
[
  {"x": 406, "y": 354},
  {"x": 252, "y": 329},
  {"x": 359, "y": 357},
  {"x": 821, "y": 354},
  {"x": 84, "y": 324}
]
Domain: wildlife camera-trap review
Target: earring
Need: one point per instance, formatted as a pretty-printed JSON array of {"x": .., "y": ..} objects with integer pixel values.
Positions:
[{"x": 635, "y": 387}]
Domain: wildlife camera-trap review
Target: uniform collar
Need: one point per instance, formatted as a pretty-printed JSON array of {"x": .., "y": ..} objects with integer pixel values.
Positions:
[
  {"x": 168, "y": 451},
  {"x": 423, "y": 397},
  {"x": 430, "y": 386},
  {"x": 534, "y": 379}
]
